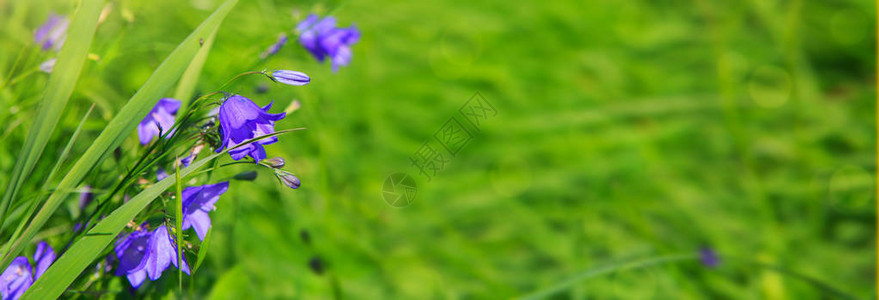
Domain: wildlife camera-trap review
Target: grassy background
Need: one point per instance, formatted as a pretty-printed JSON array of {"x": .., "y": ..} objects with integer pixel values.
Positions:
[{"x": 625, "y": 130}]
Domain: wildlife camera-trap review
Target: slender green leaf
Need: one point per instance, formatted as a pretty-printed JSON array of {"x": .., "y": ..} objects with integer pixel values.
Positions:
[
  {"x": 124, "y": 123},
  {"x": 33, "y": 204},
  {"x": 178, "y": 225},
  {"x": 190, "y": 77},
  {"x": 71, "y": 59},
  {"x": 579, "y": 278},
  {"x": 83, "y": 252},
  {"x": 203, "y": 250}
]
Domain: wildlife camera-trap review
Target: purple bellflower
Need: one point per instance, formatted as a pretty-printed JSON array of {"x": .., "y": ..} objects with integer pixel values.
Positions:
[
  {"x": 323, "y": 39},
  {"x": 144, "y": 253},
  {"x": 241, "y": 120},
  {"x": 16, "y": 279},
  {"x": 162, "y": 116},
  {"x": 197, "y": 202},
  {"x": 52, "y": 33},
  {"x": 19, "y": 276}
]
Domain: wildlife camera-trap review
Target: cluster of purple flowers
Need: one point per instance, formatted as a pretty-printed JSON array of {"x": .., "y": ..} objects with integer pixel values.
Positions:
[
  {"x": 144, "y": 253},
  {"x": 323, "y": 39},
  {"x": 19, "y": 276}
]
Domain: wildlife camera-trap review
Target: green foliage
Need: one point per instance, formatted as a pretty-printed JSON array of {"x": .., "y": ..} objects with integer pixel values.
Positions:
[{"x": 627, "y": 131}]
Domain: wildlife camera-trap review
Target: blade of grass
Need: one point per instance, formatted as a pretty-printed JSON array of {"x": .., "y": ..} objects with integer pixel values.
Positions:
[
  {"x": 58, "y": 90},
  {"x": 190, "y": 77},
  {"x": 561, "y": 286},
  {"x": 50, "y": 178},
  {"x": 82, "y": 253},
  {"x": 124, "y": 122},
  {"x": 202, "y": 250},
  {"x": 178, "y": 224}
]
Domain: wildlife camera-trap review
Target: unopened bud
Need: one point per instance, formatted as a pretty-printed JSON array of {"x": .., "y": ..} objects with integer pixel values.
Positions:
[
  {"x": 288, "y": 179},
  {"x": 274, "y": 162}
]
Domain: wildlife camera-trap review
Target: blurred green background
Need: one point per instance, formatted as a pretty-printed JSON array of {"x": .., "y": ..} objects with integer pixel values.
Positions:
[{"x": 625, "y": 130}]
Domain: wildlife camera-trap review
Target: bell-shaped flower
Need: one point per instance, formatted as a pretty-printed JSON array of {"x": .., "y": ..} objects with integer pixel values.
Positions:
[
  {"x": 241, "y": 120},
  {"x": 16, "y": 279},
  {"x": 323, "y": 39},
  {"x": 162, "y": 253},
  {"x": 197, "y": 202},
  {"x": 144, "y": 253},
  {"x": 131, "y": 251},
  {"x": 161, "y": 116},
  {"x": 19, "y": 276}
]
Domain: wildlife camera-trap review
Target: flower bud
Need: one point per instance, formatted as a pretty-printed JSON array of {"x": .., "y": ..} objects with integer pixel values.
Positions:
[
  {"x": 274, "y": 162},
  {"x": 288, "y": 179},
  {"x": 291, "y": 77}
]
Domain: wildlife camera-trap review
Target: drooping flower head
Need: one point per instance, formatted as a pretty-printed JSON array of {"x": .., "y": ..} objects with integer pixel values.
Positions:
[
  {"x": 162, "y": 253},
  {"x": 52, "y": 33},
  {"x": 323, "y": 39},
  {"x": 161, "y": 116},
  {"x": 131, "y": 250},
  {"x": 241, "y": 120},
  {"x": 197, "y": 202},
  {"x": 144, "y": 253},
  {"x": 19, "y": 276}
]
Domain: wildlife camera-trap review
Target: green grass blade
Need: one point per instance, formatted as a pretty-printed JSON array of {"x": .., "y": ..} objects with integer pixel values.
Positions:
[
  {"x": 178, "y": 224},
  {"x": 579, "y": 278},
  {"x": 202, "y": 250},
  {"x": 58, "y": 90},
  {"x": 124, "y": 123},
  {"x": 190, "y": 77},
  {"x": 50, "y": 178},
  {"x": 82, "y": 253}
]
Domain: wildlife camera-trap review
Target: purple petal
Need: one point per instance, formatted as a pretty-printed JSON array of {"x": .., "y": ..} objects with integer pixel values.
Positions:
[
  {"x": 136, "y": 278},
  {"x": 307, "y": 23},
  {"x": 160, "y": 253},
  {"x": 131, "y": 250},
  {"x": 197, "y": 202},
  {"x": 16, "y": 279},
  {"x": 43, "y": 258}
]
